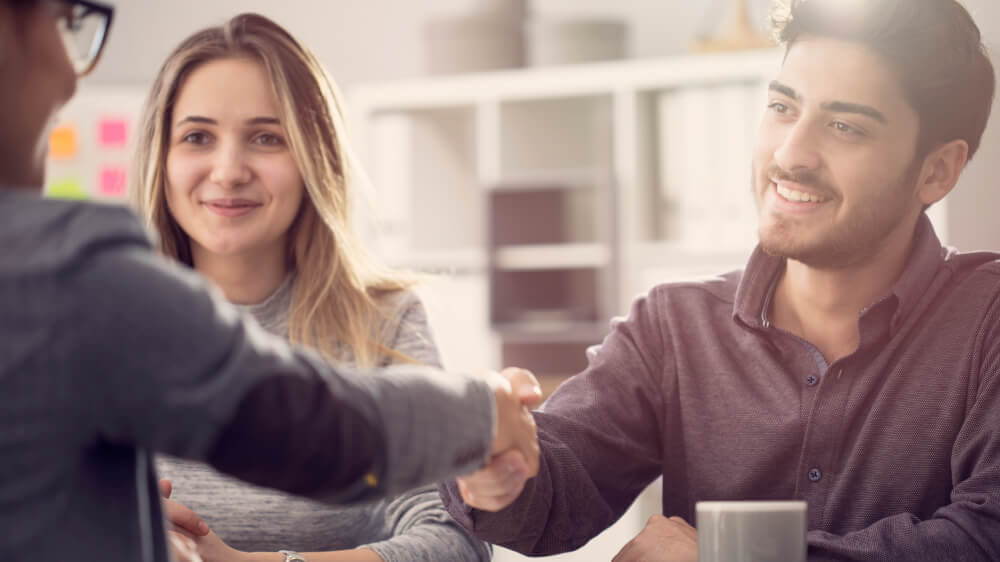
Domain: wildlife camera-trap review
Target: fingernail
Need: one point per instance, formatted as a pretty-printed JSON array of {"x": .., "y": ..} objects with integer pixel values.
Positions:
[{"x": 203, "y": 527}]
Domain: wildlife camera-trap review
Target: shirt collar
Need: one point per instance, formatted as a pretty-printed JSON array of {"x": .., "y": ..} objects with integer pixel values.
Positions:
[{"x": 926, "y": 257}]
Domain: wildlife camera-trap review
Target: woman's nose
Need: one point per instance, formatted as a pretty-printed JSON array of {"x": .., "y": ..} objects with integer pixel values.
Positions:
[{"x": 230, "y": 167}]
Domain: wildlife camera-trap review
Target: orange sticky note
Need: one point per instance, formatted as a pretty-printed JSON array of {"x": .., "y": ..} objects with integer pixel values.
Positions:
[
  {"x": 112, "y": 132},
  {"x": 111, "y": 181},
  {"x": 63, "y": 142},
  {"x": 66, "y": 188}
]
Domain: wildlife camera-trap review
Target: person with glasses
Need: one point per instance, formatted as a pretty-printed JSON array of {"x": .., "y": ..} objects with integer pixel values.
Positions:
[
  {"x": 109, "y": 352},
  {"x": 244, "y": 172}
]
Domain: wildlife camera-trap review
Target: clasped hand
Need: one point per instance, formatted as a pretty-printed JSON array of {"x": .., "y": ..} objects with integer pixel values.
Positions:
[{"x": 514, "y": 456}]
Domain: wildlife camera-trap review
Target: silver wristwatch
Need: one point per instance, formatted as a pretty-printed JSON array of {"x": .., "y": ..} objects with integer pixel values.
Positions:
[{"x": 291, "y": 556}]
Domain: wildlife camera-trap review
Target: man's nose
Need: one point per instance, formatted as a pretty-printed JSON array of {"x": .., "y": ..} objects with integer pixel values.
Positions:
[{"x": 799, "y": 149}]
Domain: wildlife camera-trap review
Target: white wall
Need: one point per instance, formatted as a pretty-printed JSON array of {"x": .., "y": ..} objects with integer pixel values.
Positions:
[{"x": 973, "y": 204}]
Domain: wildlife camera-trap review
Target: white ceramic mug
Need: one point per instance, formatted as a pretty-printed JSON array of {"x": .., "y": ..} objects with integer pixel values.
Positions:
[{"x": 751, "y": 531}]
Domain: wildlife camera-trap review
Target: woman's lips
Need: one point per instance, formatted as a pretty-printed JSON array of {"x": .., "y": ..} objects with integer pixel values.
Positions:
[{"x": 231, "y": 207}]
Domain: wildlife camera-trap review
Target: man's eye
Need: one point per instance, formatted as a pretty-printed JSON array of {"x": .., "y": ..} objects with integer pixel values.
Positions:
[
  {"x": 778, "y": 107},
  {"x": 842, "y": 127}
]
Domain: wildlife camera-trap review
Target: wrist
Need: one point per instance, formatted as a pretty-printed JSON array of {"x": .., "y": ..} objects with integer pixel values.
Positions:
[{"x": 262, "y": 557}]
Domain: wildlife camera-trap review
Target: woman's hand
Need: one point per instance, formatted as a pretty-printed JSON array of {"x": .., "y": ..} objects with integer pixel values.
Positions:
[
  {"x": 183, "y": 548},
  {"x": 188, "y": 529},
  {"x": 182, "y": 519}
]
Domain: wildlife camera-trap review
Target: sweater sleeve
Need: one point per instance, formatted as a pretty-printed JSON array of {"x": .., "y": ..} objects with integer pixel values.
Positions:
[
  {"x": 176, "y": 369},
  {"x": 600, "y": 447},
  {"x": 419, "y": 527}
]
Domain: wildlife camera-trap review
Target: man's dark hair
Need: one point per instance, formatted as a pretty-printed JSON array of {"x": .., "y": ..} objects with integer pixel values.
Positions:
[{"x": 934, "y": 47}]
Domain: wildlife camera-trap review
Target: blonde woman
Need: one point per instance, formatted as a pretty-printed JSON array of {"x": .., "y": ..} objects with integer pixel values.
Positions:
[{"x": 243, "y": 172}]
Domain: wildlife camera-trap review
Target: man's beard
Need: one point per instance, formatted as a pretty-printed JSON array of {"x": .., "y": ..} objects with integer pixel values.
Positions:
[{"x": 859, "y": 236}]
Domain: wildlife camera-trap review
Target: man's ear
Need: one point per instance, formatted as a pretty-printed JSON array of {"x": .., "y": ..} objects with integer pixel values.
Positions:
[{"x": 940, "y": 171}]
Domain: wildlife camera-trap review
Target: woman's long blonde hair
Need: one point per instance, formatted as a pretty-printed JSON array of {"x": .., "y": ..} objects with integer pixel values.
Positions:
[{"x": 337, "y": 284}]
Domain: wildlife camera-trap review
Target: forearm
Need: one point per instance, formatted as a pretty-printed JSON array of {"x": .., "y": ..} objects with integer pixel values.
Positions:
[
  {"x": 358, "y": 436},
  {"x": 446, "y": 543},
  {"x": 414, "y": 527},
  {"x": 955, "y": 533},
  {"x": 273, "y": 440},
  {"x": 548, "y": 516},
  {"x": 355, "y": 555}
]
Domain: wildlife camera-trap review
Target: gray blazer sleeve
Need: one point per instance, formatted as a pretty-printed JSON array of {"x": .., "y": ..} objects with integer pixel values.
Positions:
[
  {"x": 420, "y": 527},
  {"x": 173, "y": 367}
]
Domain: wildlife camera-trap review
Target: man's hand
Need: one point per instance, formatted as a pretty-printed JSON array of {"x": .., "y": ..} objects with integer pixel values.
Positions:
[
  {"x": 515, "y": 390},
  {"x": 515, "y": 448},
  {"x": 662, "y": 540}
]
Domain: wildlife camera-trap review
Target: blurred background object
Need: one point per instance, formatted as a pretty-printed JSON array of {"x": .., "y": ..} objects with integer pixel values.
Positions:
[
  {"x": 737, "y": 30},
  {"x": 488, "y": 36},
  {"x": 561, "y": 40}
]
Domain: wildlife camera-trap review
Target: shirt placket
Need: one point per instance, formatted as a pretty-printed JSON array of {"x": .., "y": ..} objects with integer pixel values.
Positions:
[{"x": 818, "y": 466}]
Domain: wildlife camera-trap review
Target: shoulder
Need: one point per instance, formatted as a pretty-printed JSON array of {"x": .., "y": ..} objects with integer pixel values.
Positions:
[
  {"x": 396, "y": 304},
  {"x": 977, "y": 263},
  {"x": 407, "y": 329},
  {"x": 43, "y": 234},
  {"x": 704, "y": 292},
  {"x": 974, "y": 277},
  {"x": 402, "y": 310}
]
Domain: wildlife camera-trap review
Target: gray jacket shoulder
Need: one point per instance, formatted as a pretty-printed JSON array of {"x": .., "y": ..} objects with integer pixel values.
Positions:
[{"x": 41, "y": 235}]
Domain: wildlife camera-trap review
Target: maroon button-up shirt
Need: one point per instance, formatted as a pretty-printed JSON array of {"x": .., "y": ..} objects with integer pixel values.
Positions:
[{"x": 896, "y": 447}]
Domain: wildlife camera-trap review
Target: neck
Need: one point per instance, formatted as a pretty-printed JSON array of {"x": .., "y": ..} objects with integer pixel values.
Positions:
[
  {"x": 29, "y": 183},
  {"x": 248, "y": 278},
  {"x": 822, "y": 305}
]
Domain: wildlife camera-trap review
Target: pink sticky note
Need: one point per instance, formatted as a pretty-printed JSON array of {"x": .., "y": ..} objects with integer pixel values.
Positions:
[
  {"x": 112, "y": 132},
  {"x": 111, "y": 181}
]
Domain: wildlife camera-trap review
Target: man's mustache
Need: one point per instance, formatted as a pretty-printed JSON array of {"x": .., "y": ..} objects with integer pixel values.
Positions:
[{"x": 805, "y": 178}]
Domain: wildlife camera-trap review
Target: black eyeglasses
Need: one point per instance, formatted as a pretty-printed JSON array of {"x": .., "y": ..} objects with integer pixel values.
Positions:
[{"x": 83, "y": 26}]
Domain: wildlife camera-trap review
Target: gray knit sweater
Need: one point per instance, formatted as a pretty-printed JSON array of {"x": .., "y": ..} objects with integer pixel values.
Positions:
[{"x": 411, "y": 527}]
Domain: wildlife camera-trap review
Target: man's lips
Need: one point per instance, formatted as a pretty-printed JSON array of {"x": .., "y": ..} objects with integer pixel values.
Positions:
[{"x": 792, "y": 192}]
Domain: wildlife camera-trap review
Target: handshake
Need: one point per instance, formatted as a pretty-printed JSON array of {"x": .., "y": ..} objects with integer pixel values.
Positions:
[{"x": 514, "y": 455}]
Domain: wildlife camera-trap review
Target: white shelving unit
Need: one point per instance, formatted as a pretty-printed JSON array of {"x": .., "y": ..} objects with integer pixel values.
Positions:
[{"x": 645, "y": 164}]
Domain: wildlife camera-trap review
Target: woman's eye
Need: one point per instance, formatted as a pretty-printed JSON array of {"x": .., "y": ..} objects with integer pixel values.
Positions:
[
  {"x": 195, "y": 138},
  {"x": 268, "y": 139},
  {"x": 778, "y": 107}
]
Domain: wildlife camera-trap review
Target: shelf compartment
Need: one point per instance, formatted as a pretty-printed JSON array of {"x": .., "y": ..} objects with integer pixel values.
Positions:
[
  {"x": 551, "y": 256},
  {"x": 545, "y": 296},
  {"x": 544, "y": 216},
  {"x": 553, "y": 361},
  {"x": 546, "y": 134},
  {"x": 426, "y": 166}
]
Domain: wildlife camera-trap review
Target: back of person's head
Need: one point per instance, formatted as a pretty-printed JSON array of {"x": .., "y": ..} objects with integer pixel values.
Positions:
[
  {"x": 335, "y": 279},
  {"x": 934, "y": 47}
]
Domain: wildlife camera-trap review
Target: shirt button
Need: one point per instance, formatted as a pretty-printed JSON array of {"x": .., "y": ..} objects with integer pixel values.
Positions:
[
  {"x": 811, "y": 380},
  {"x": 815, "y": 474}
]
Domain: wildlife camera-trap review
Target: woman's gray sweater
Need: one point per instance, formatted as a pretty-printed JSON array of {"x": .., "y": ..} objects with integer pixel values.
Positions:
[{"x": 411, "y": 527}]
